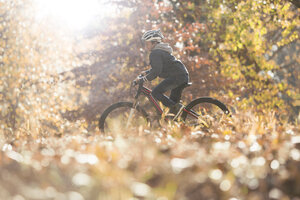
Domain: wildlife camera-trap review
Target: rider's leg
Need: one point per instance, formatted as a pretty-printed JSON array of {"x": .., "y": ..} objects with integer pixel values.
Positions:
[
  {"x": 176, "y": 93},
  {"x": 161, "y": 88},
  {"x": 176, "y": 96}
]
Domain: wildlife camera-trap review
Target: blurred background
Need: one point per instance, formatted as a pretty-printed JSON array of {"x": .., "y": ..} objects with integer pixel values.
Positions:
[
  {"x": 77, "y": 57},
  {"x": 62, "y": 62}
]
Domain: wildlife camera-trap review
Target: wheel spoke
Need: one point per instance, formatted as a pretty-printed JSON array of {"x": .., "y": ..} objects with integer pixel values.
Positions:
[{"x": 122, "y": 118}]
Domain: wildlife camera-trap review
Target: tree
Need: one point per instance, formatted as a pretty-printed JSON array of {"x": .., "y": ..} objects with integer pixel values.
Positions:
[{"x": 30, "y": 60}]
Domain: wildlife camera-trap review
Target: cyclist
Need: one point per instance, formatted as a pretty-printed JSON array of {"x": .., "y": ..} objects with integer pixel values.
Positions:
[{"x": 164, "y": 65}]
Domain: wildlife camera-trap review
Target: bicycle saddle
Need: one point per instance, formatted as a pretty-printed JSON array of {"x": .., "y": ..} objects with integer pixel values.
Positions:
[{"x": 187, "y": 84}]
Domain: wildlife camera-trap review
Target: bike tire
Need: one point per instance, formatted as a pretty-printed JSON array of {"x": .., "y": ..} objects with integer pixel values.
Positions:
[
  {"x": 116, "y": 107},
  {"x": 211, "y": 102}
]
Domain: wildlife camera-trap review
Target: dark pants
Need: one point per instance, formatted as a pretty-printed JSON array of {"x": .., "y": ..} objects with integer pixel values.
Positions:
[{"x": 175, "y": 84}]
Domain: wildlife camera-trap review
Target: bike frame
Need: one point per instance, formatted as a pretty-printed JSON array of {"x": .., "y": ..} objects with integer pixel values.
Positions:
[{"x": 147, "y": 92}]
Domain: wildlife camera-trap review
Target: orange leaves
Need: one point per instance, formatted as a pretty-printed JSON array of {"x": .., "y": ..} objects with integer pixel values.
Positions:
[{"x": 153, "y": 163}]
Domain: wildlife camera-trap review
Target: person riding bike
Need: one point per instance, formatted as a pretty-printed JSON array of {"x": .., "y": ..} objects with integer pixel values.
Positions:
[{"x": 164, "y": 65}]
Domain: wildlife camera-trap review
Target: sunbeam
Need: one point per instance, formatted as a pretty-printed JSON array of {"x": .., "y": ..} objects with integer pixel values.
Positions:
[{"x": 73, "y": 14}]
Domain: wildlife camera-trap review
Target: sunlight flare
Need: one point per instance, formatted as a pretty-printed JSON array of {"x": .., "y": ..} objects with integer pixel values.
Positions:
[{"x": 75, "y": 14}]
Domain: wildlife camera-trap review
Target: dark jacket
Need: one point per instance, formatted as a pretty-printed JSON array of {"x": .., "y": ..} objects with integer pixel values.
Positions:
[{"x": 164, "y": 64}]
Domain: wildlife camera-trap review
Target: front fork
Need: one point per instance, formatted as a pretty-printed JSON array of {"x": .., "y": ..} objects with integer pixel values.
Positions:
[{"x": 135, "y": 103}]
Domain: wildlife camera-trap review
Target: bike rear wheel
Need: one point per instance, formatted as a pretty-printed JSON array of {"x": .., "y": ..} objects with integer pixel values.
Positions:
[
  {"x": 122, "y": 117},
  {"x": 204, "y": 111}
]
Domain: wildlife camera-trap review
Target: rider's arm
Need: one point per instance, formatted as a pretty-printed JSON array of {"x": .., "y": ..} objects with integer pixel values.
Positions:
[{"x": 156, "y": 65}]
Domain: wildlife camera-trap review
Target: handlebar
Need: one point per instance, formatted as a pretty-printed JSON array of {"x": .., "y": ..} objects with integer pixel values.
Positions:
[{"x": 134, "y": 83}]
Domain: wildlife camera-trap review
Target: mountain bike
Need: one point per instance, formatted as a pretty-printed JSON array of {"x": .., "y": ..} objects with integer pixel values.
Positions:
[{"x": 127, "y": 115}]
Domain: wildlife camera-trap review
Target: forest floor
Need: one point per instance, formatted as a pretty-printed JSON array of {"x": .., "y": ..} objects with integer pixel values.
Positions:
[{"x": 244, "y": 157}]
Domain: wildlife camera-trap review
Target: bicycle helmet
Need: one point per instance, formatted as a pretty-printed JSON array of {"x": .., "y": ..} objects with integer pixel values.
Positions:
[{"x": 153, "y": 35}]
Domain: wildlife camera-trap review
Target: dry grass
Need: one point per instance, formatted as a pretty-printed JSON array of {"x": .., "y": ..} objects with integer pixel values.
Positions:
[{"x": 244, "y": 157}]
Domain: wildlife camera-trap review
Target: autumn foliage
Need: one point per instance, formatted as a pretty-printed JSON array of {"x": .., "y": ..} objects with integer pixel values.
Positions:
[{"x": 55, "y": 82}]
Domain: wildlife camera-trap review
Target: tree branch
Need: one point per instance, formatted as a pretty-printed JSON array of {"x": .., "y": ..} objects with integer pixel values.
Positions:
[{"x": 295, "y": 3}]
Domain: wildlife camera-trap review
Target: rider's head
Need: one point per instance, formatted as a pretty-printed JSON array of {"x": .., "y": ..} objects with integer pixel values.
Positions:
[{"x": 152, "y": 37}]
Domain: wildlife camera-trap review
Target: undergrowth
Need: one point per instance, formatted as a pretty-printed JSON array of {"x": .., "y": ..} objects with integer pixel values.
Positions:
[{"x": 244, "y": 157}]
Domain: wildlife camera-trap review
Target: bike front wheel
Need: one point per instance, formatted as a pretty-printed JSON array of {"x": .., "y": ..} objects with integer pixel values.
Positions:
[
  {"x": 122, "y": 117},
  {"x": 204, "y": 111}
]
